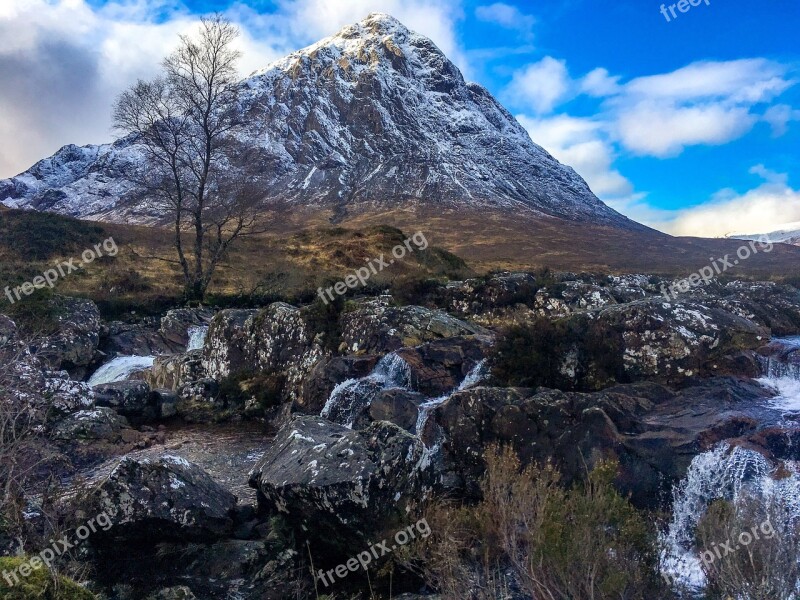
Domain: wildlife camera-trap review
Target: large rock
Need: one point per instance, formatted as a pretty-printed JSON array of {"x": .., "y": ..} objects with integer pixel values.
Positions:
[
  {"x": 277, "y": 339},
  {"x": 73, "y": 346},
  {"x": 152, "y": 500},
  {"x": 95, "y": 424},
  {"x": 326, "y": 375},
  {"x": 8, "y": 331},
  {"x": 132, "y": 399},
  {"x": 377, "y": 327},
  {"x": 176, "y": 323},
  {"x": 440, "y": 366},
  {"x": 670, "y": 342},
  {"x": 173, "y": 371},
  {"x": 654, "y": 432},
  {"x": 338, "y": 486}
]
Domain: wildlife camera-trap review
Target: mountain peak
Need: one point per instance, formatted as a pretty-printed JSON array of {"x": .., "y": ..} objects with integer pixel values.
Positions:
[{"x": 375, "y": 115}]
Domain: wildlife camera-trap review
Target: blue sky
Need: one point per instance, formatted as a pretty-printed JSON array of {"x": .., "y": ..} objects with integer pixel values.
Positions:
[{"x": 690, "y": 125}]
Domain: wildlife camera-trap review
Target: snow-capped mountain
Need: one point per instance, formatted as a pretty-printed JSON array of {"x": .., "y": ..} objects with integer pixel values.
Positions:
[
  {"x": 788, "y": 233},
  {"x": 375, "y": 115}
]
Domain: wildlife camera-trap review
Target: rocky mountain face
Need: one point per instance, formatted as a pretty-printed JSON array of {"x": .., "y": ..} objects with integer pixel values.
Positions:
[{"x": 373, "y": 116}]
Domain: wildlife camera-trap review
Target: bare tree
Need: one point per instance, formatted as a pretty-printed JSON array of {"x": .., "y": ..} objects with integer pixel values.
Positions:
[{"x": 187, "y": 121}]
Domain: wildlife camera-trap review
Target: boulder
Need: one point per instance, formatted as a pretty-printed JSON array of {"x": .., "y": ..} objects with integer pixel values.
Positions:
[
  {"x": 652, "y": 431},
  {"x": 671, "y": 342},
  {"x": 176, "y": 323},
  {"x": 96, "y": 424},
  {"x": 338, "y": 487},
  {"x": 439, "y": 367},
  {"x": 132, "y": 399},
  {"x": 326, "y": 375},
  {"x": 377, "y": 327},
  {"x": 162, "y": 499},
  {"x": 397, "y": 406},
  {"x": 174, "y": 371},
  {"x": 141, "y": 338},
  {"x": 74, "y": 345},
  {"x": 277, "y": 339},
  {"x": 569, "y": 297}
]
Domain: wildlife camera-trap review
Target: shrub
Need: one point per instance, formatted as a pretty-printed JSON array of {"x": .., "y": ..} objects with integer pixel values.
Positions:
[
  {"x": 534, "y": 355},
  {"x": 767, "y": 567},
  {"x": 529, "y": 532}
]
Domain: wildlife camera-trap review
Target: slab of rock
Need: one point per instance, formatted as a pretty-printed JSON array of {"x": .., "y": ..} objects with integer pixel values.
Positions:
[
  {"x": 173, "y": 371},
  {"x": 338, "y": 487},
  {"x": 176, "y": 323},
  {"x": 277, "y": 339},
  {"x": 132, "y": 399},
  {"x": 73, "y": 346},
  {"x": 326, "y": 375},
  {"x": 95, "y": 424},
  {"x": 168, "y": 498},
  {"x": 377, "y": 327}
]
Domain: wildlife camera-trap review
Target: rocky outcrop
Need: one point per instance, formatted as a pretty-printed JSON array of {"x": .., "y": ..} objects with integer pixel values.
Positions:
[
  {"x": 176, "y": 323},
  {"x": 326, "y": 375},
  {"x": 673, "y": 341},
  {"x": 377, "y": 327},
  {"x": 131, "y": 399},
  {"x": 440, "y": 366},
  {"x": 338, "y": 486},
  {"x": 277, "y": 339},
  {"x": 74, "y": 345},
  {"x": 95, "y": 424},
  {"x": 162, "y": 499},
  {"x": 652, "y": 431},
  {"x": 173, "y": 371}
]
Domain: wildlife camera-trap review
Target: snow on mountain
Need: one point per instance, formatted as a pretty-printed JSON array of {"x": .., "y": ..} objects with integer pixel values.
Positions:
[
  {"x": 375, "y": 115},
  {"x": 789, "y": 233}
]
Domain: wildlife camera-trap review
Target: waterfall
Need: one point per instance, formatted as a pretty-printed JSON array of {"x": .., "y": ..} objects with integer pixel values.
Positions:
[
  {"x": 197, "y": 337},
  {"x": 782, "y": 374},
  {"x": 120, "y": 369},
  {"x": 476, "y": 374},
  {"x": 721, "y": 473},
  {"x": 349, "y": 399}
]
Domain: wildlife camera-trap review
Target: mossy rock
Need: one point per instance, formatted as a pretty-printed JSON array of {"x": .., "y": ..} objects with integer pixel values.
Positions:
[{"x": 40, "y": 584}]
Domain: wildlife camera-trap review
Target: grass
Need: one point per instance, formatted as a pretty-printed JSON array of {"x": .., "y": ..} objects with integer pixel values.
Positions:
[{"x": 41, "y": 584}]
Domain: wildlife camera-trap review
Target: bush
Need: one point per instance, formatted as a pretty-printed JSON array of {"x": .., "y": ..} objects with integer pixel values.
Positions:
[
  {"x": 534, "y": 355},
  {"x": 529, "y": 532},
  {"x": 767, "y": 567},
  {"x": 266, "y": 389},
  {"x": 41, "y": 584}
]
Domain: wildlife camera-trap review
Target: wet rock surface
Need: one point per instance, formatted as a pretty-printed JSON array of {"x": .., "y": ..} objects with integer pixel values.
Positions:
[{"x": 338, "y": 485}]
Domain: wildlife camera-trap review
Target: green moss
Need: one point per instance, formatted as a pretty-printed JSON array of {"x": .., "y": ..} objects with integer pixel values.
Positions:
[{"x": 41, "y": 584}]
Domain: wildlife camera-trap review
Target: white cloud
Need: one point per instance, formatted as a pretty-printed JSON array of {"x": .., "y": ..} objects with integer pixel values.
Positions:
[
  {"x": 600, "y": 83},
  {"x": 507, "y": 16},
  {"x": 759, "y": 210},
  {"x": 62, "y": 62},
  {"x": 779, "y": 116},
  {"x": 580, "y": 144},
  {"x": 540, "y": 86},
  {"x": 662, "y": 130}
]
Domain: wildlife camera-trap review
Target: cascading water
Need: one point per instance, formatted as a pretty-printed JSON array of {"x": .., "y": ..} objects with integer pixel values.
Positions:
[
  {"x": 722, "y": 473},
  {"x": 728, "y": 472},
  {"x": 474, "y": 376},
  {"x": 351, "y": 397},
  {"x": 120, "y": 369},
  {"x": 782, "y": 374},
  {"x": 197, "y": 337}
]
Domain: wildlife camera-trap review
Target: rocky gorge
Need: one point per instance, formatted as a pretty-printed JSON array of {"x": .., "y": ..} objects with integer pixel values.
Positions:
[{"x": 233, "y": 447}]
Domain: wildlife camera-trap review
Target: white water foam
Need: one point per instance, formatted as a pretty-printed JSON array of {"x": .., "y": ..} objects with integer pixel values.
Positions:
[
  {"x": 120, "y": 369},
  {"x": 476, "y": 374},
  {"x": 349, "y": 398},
  {"x": 721, "y": 473},
  {"x": 197, "y": 337}
]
